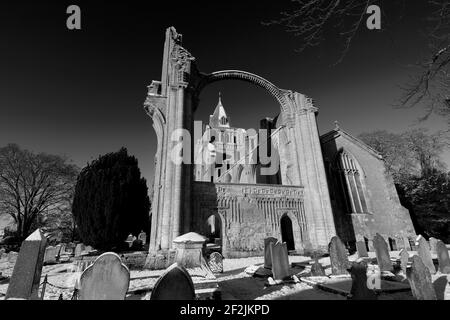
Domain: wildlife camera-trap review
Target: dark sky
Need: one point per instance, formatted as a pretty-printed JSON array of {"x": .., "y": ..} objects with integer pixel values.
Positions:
[{"x": 81, "y": 93}]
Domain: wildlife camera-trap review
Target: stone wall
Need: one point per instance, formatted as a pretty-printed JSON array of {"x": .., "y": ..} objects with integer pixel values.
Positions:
[
  {"x": 248, "y": 214},
  {"x": 385, "y": 213}
]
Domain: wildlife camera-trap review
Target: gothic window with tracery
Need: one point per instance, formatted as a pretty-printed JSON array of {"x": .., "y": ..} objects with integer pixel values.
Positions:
[{"x": 350, "y": 181}]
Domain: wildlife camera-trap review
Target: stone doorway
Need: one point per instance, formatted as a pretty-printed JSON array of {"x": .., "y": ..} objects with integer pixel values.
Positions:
[
  {"x": 214, "y": 233},
  {"x": 287, "y": 233}
]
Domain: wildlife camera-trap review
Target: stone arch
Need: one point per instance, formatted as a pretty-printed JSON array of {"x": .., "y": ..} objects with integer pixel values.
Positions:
[
  {"x": 277, "y": 93},
  {"x": 295, "y": 229}
]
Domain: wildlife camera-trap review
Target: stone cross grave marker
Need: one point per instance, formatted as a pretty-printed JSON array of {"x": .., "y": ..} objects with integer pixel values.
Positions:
[
  {"x": 338, "y": 256},
  {"x": 174, "y": 284},
  {"x": 362, "y": 250},
  {"x": 143, "y": 237},
  {"x": 424, "y": 253},
  {"x": 432, "y": 241},
  {"x": 382, "y": 253},
  {"x": 443, "y": 257},
  {"x": 359, "y": 290},
  {"x": 420, "y": 280},
  {"x": 26, "y": 276},
  {"x": 404, "y": 258},
  {"x": 215, "y": 262},
  {"x": 267, "y": 259},
  {"x": 106, "y": 279},
  {"x": 280, "y": 260}
]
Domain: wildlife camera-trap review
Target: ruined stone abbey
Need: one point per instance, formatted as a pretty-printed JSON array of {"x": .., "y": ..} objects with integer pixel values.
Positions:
[{"x": 324, "y": 185}]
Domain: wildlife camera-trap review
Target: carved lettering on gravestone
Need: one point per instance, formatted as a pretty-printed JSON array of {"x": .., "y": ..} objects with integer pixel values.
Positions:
[
  {"x": 359, "y": 290},
  {"x": 420, "y": 280},
  {"x": 424, "y": 253},
  {"x": 267, "y": 258},
  {"x": 382, "y": 253},
  {"x": 362, "y": 250},
  {"x": 26, "y": 276},
  {"x": 280, "y": 260},
  {"x": 216, "y": 262},
  {"x": 106, "y": 279},
  {"x": 443, "y": 257},
  {"x": 338, "y": 256},
  {"x": 404, "y": 258},
  {"x": 174, "y": 284}
]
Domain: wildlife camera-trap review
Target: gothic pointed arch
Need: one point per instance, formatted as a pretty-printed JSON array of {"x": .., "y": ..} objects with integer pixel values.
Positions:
[{"x": 351, "y": 182}]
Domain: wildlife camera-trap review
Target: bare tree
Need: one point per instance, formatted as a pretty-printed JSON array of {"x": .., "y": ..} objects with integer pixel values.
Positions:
[
  {"x": 312, "y": 20},
  {"x": 32, "y": 185}
]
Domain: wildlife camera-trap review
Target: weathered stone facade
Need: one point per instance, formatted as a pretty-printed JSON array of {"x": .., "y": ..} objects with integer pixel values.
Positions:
[
  {"x": 349, "y": 163},
  {"x": 293, "y": 205}
]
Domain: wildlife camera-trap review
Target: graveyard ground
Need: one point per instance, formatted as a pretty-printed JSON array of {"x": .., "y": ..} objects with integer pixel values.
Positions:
[{"x": 234, "y": 282}]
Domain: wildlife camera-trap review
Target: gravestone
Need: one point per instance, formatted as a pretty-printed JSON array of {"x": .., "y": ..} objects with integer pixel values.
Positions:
[
  {"x": 382, "y": 253},
  {"x": 189, "y": 250},
  {"x": 317, "y": 269},
  {"x": 50, "y": 254},
  {"x": 420, "y": 280},
  {"x": 404, "y": 258},
  {"x": 280, "y": 260},
  {"x": 424, "y": 253},
  {"x": 63, "y": 248},
  {"x": 174, "y": 284},
  {"x": 130, "y": 240},
  {"x": 79, "y": 249},
  {"x": 88, "y": 249},
  {"x": 359, "y": 290},
  {"x": 267, "y": 259},
  {"x": 338, "y": 256},
  {"x": 432, "y": 241},
  {"x": 106, "y": 279},
  {"x": 143, "y": 237},
  {"x": 362, "y": 250},
  {"x": 25, "y": 279},
  {"x": 443, "y": 257},
  {"x": 216, "y": 262}
]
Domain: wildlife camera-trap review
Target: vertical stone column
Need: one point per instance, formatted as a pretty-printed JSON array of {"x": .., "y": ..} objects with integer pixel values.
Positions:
[{"x": 301, "y": 124}]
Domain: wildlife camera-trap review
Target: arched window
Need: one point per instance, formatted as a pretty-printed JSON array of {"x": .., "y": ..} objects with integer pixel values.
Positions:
[{"x": 351, "y": 183}]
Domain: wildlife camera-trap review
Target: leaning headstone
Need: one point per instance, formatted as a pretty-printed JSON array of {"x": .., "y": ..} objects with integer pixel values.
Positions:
[
  {"x": 280, "y": 260},
  {"x": 216, "y": 262},
  {"x": 174, "y": 284},
  {"x": 338, "y": 256},
  {"x": 267, "y": 259},
  {"x": 362, "y": 250},
  {"x": 420, "y": 280},
  {"x": 424, "y": 253},
  {"x": 317, "y": 269},
  {"x": 359, "y": 290},
  {"x": 432, "y": 241},
  {"x": 443, "y": 257},
  {"x": 106, "y": 279},
  {"x": 25, "y": 279},
  {"x": 404, "y": 258},
  {"x": 143, "y": 237},
  {"x": 382, "y": 253}
]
